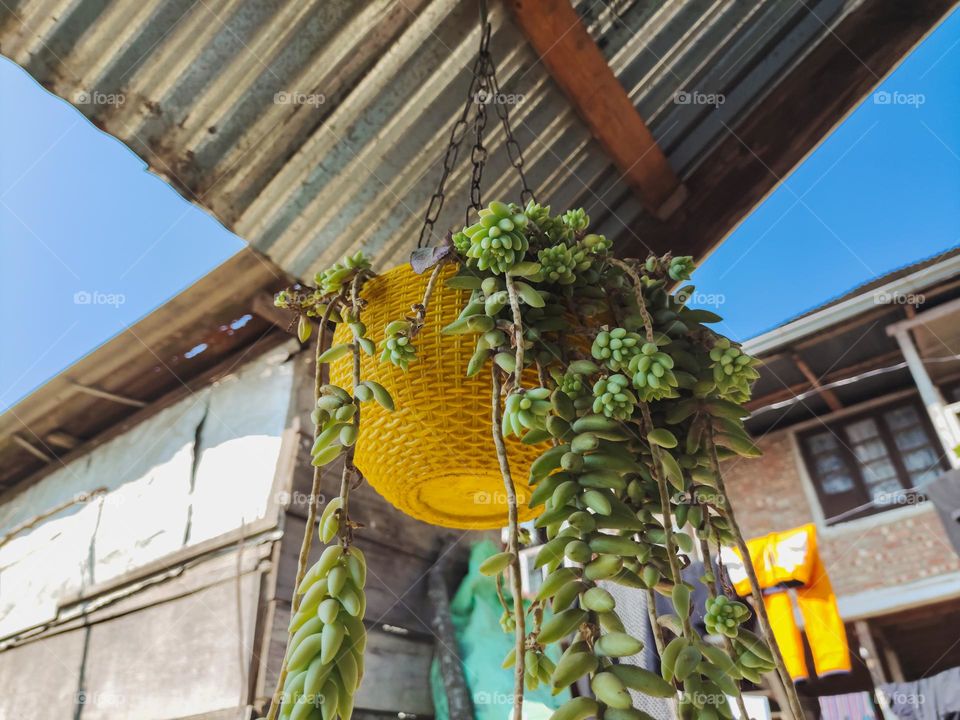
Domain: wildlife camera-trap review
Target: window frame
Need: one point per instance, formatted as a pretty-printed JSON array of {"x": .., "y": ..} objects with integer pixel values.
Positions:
[{"x": 835, "y": 511}]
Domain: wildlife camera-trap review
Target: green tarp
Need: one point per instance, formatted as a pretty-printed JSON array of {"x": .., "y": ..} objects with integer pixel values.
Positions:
[{"x": 482, "y": 645}]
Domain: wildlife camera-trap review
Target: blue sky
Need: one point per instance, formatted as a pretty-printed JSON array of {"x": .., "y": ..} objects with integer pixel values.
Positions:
[
  {"x": 90, "y": 241},
  {"x": 882, "y": 191},
  {"x": 79, "y": 213}
]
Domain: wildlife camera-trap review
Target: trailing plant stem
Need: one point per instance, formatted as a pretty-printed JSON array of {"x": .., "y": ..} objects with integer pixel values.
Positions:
[
  {"x": 349, "y": 471},
  {"x": 312, "y": 508},
  {"x": 420, "y": 309},
  {"x": 512, "y": 545},
  {"x": 788, "y": 687},
  {"x": 656, "y": 471},
  {"x": 638, "y": 290},
  {"x": 712, "y": 593},
  {"x": 517, "y": 328},
  {"x": 657, "y": 629}
]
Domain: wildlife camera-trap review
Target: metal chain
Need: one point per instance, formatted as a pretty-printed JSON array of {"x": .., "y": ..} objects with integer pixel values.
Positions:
[
  {"x": 478, "y": 156},
  {"x": 514, "y": 152},
  {"x": 457, "y": 133},
  {"x": 484, "y": 89}
]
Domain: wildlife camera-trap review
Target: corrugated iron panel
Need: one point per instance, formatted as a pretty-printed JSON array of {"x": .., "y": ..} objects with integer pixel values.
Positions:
[{"x": 310, "y": 127}]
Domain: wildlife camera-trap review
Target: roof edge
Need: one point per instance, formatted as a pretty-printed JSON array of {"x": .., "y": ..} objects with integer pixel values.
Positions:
[{"x": 819, "y": 320}]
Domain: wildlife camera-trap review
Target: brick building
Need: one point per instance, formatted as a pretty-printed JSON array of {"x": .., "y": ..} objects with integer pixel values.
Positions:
[{"x": 855, "y": 411}]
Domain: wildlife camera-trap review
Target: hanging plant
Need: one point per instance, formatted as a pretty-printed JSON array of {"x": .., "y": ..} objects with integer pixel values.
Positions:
[
  {"x": 586, "y": 389},
  {"x": 323, "y": 664},
  {"x": 633, "y": 401}
]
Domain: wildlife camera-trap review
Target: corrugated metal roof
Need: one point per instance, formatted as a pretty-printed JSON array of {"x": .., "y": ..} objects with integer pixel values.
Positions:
[{"x": 312, "y": 126}]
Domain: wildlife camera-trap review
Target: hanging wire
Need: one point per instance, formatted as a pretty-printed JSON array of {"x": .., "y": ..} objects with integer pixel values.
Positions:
[{"x": 483, "y": 90}]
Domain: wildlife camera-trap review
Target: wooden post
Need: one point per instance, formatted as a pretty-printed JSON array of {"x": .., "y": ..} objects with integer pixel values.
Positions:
[
  {"x": 929, "y": 393},
  {"x": 459, "y": 704},
  {"x": 889, "y": 655},
  {"x": 872, "y": 658}
]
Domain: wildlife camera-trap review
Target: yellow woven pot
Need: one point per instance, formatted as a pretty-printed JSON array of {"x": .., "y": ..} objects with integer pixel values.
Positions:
[{"x": 433, "y": 457}]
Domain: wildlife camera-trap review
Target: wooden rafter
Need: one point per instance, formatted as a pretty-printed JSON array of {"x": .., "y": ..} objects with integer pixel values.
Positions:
[
  {"x": 839, "y": 374},
  {"x": 104, "y": 395},
  {"x": 61, "y": 439},
  {"x": 30, "y": 448},
  {"x": 575, "y": 62},
  {"x": 829, "y": 396}
]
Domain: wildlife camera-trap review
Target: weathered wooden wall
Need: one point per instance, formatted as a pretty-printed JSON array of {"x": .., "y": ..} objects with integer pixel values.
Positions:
[
  {"x": 194, "y": 471},
  {"x": 168, "y": 597},
  {"x": 144, "y": 601}
]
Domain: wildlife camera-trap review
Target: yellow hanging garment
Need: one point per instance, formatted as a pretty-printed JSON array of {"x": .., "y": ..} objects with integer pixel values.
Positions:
[{"x": 791, "y": 560}]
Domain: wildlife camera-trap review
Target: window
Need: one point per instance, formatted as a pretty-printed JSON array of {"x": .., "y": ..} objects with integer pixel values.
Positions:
[{"x": 876, "y": 457}]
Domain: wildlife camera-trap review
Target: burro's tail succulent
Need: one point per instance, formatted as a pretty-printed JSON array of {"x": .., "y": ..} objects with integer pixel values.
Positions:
[{"x": 636, "y": 403}]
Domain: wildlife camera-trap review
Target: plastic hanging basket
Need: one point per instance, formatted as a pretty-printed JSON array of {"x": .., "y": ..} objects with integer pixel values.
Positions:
[{"x": 433, "y": 457}]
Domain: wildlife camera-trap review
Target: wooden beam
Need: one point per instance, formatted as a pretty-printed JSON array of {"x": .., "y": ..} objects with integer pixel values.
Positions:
[
  {"x": 62, "y": 440},
  {"x": 30, "y": 448},
  {"x": 227, "y": 365},
  {"x": 459, "y": 702},
  {"x": 830, "y": 397},
  {"x": 103, "y": 394},
  {"x": 890, "y": 659},
  {"x": 576, "y": 64}
]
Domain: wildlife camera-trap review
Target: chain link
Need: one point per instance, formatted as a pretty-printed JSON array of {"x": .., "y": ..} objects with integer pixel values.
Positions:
[
  {"x": 457, "y": 133},
  {"x": 484, "y": 89},
  {"x": 478, "y": 156},
  {"x": 514, "y": 151}
]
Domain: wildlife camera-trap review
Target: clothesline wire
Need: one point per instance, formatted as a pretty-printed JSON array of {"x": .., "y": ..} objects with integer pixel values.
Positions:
[
  {"x": 867, "y": 505},
  {"x": 846, "y": 381}
]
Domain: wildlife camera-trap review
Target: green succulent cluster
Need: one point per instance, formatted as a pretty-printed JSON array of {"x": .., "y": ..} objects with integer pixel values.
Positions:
[
  {"x": 397, "y": 346},
  {"x": 561, "y": 262},
  {"x": 676, "y": 268},
  {"x": 538, "y": 668},
  {"x": 616, "y": 348},
  {"x": 733, "y": 370},
  {"x": 525, "y": 411},
  {"x": 725, "y": 616},
  {"x": 680, "y": 268},
  {"x": 572, "y": 383},
  {"x": 596, "y": 244},
  {"x": 461, "y": 242},
  {"x": 653, "y": 375},
  {"x": 577, "y": 220},
  {"x": 333, "y": 279},
  {"x": 542, "y": 222},
  {"x": 498, "y": 241},
  {"x": 613, "y": 397}
]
